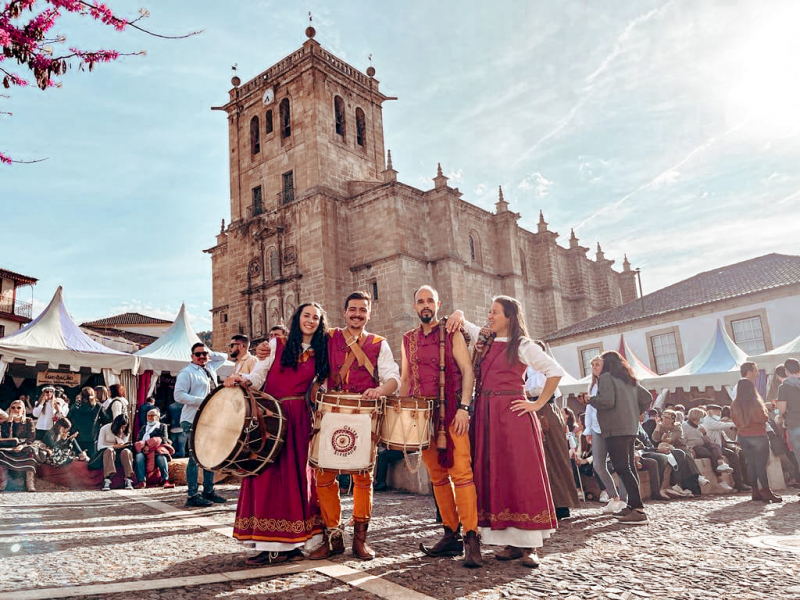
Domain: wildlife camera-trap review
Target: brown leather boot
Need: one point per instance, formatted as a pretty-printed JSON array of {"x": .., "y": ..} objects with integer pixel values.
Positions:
[
  {"x": 30, "y": 478},
  {"x": 360, "y": 548},
  {"x": 451, "y": 544},
  {"x": 472, "y": 551},
  {"x": 755, "y": 493},
  {"x": 767, "y": 495},
  {"x": 332, "y": 543}
]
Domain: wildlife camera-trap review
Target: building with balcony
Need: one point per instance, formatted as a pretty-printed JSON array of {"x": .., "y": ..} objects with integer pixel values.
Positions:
[{"x": 14, "y": 312}]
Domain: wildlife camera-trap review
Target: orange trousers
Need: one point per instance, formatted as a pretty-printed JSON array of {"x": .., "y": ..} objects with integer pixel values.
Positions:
[
  {"x": 454, "y": 488},
  {"x": 328, "y": 494}
]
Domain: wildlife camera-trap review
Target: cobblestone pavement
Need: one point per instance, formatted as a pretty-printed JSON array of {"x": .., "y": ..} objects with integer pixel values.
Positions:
[{"x": 718, "y": 547}]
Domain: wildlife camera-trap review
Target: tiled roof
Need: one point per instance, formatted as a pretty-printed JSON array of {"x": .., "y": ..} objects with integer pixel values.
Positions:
[
  {"x": 137, "y": 338},
  {"x": 756, "y": 275},
  {"x": 19, "y": 278},
  {"x": 129, "y": 318}
]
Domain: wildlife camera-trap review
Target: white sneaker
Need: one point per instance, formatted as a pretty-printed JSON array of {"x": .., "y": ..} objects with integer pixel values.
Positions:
[
  {"x": 724, "y": 468},
  {"x": 611, "y": 507},
  {"x": 604, "y": 497},
  {"x": 621, "y": 504},
  {"x": 687, "y": 493},
  {"x": 702, "y": 480},
  {"x": 128, "y": 484},
  {"x": 581, "y": 496},
  {"x": 106, "y": 485},
  {"x": 725, "y": 487}
]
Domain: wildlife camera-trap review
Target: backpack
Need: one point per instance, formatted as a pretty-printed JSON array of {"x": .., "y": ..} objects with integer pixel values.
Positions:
[{"x": 106, "y": 415}]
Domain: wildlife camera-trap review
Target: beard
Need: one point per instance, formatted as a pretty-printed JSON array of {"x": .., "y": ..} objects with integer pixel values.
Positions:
[
  {"x": 426, "y": 316},
  {"x": 235, "y": 354}
]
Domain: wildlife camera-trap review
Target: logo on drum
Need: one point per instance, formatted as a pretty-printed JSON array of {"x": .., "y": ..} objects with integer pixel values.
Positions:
[{"x": 344, "y": 441}]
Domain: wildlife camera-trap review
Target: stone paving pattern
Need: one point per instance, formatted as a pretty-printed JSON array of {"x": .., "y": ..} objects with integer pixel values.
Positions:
[{"x": 698, "y": 548}]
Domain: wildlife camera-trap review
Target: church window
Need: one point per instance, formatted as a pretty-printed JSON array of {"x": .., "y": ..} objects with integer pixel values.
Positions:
[
  {"x": 274, "y": 264},
  {"x": 374, "y": 291},
  {"x": 255, "y": 142},
  {"x": 361, "y": 127},
  {"x": 338, "y": 109},
  {"x": 258, "y": 202},
  {"x": 288, "y": 187},
  {"x": 286, "y": 119},
  {"x": 268, "y": 121},
  {"x": 474, "y": 248},
  {"x": 472, "y": 255}
]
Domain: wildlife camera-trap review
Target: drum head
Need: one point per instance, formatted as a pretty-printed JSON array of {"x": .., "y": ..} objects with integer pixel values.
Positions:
[{"x": 218, "y": 426}]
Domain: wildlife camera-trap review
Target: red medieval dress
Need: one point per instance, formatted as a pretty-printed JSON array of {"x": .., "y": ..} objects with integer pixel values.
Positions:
[
  {"x": 277, "y": 509},
  {"x": 515, "y": 504}
]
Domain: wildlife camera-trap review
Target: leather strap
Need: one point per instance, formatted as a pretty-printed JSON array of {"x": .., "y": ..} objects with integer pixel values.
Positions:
[
  {"x": 356, "y": 353},
  {"x": 255, "y": 413}
]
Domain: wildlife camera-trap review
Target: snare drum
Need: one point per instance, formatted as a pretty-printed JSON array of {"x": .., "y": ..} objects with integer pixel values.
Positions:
[
  {"x": 346, "y": 432},
  {"x": 237, "y": 431},
  {"x": 407, "y": 423}
]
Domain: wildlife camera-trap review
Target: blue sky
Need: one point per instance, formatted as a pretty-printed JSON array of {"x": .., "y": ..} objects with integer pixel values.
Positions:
[{"x": 666, "y": 130}]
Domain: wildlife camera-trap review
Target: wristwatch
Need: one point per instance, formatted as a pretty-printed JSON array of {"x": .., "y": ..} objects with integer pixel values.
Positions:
[{"x": 463, "y": 407}]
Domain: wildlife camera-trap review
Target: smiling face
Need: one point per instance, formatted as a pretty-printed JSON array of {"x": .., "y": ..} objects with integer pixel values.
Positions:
[
  {"x": 200, "y": 356},
  {"x": 357, "y": 314},
  {"x": 427, "y": 304},
  {"x": 498, "y": 321},
  {"x": 309, "y": 321}
]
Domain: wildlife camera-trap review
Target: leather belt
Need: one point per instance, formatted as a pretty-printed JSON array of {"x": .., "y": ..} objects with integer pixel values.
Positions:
[{"x": 503, "y": 392}]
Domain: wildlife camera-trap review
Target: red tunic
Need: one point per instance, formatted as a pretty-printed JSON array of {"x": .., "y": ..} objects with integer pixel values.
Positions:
[
  {"x": 508, "y": 456},
  {"x": 422, "y": 353},
  {"x": 358, "y": 379},
  {"x": 278, "y": 508}
]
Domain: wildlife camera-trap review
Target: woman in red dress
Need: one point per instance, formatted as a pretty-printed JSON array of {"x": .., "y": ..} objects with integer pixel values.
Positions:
[
  {"x": 277, "y": 514},
  {"x": 515, "y": 504}
]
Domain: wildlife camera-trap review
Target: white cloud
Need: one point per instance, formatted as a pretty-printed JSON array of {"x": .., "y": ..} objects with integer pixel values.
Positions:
[
  {"x": 456, "y": 176},
  {"x": 481, "y": 189},
  {"x": 536, "y": 182},
  {"x": 666, "y": 178}
]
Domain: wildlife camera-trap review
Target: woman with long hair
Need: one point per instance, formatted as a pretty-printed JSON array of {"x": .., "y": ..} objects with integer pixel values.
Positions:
[
  {"x": 18, "y": 452},
  {"x": 83, "y": 416},
  {"x": 114, "y": 446},
  {"x": 750, "y": 417},
  {"x": 277, "y": 514},
  {"x": 619, "y": 401},
  {"x": 515, "y": 503}
]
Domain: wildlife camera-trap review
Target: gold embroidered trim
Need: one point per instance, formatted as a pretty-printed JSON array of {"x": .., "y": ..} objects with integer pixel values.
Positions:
[
  {"x": 506, "y": 515},
  {"x": 281, "y": 525}
]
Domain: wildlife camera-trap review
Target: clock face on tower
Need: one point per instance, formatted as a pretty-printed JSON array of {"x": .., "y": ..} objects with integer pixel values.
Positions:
[{"x": 269, "y": 96}]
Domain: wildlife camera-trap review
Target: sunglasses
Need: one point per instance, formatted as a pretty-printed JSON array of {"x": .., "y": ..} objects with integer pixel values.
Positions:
[
  {"x": 234, "y": 344},
  {"x": 200, "y": 353}
]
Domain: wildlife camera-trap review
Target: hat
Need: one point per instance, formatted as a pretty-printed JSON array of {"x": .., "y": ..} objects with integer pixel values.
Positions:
[
  {"x": 48, "y": 388},
  {"x": 713, "y": 407}
]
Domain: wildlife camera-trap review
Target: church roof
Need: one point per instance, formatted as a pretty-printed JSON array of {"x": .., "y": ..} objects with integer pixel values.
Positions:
[
  {"x": 768, "y": 272},
  {"x": 128, "y": 318}
]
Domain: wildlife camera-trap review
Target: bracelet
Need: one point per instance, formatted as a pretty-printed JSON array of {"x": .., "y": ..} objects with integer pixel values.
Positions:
[{"x": 463, "y": 407}]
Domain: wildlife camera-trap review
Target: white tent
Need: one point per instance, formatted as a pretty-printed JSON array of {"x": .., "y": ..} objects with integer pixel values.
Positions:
[
  {"x": 769, "y": 360},
  {"x": 54, "y": 338},
  {"x": 171, "y": 352},
  {"x": 716, "y": 366},
  {"x": 571, "y": 386},
  {"x": 640, "y": 370}
]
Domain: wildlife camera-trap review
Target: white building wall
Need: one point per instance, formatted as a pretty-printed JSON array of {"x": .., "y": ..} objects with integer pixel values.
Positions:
[{"x": 783, "y": 320}]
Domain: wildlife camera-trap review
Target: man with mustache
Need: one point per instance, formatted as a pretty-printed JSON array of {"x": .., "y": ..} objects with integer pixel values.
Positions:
[
  {"x": 450, "y": 468},
  {"x": 368, "y": 370}
]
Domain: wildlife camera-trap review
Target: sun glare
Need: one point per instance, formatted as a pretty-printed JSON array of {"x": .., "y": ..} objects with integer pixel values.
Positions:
[{"x": 765, "y": 90}]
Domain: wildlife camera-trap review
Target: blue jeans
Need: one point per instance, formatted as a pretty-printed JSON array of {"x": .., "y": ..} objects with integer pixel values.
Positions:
[
  {"x": 141, "y": 467},
  {"x": 756, "y": 451},
  {"x": 179, "y": 443},
  {"x": 191, "y": 469},
  {"x": 793, "y": 433}
]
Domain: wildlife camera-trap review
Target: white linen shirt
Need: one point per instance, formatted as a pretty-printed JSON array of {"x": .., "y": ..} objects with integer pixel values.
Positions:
[{"x": 528, "y": 353}]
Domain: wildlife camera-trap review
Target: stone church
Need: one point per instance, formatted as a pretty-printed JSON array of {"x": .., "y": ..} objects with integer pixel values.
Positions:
[{"x": 317, "y": 212}]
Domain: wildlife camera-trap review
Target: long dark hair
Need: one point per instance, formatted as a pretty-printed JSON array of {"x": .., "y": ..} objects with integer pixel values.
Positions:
[
  {"x": 512, "y": 309},
  {"x": 616, "y": 365},
  {"x": 319, "y": 342},
  {"x": 746, "y": 404},
  {"x": 119, "y": 423}
]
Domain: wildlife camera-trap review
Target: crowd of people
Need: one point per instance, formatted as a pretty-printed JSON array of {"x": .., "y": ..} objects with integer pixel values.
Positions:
[
  {"x": 506, "y": 464},
  {"x": 95, "y": 429},
  {"x": 736, "y": 439}
]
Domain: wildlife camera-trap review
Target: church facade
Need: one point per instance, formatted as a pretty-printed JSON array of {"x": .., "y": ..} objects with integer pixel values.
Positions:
[{"x": 317, "y": 212}]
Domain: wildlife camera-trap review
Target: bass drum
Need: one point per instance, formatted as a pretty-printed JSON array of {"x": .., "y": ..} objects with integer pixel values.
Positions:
[{"x": 237, "y": 431}]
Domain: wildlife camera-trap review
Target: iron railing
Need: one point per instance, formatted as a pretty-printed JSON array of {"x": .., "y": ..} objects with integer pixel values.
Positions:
[
  {"x": 9, "y": 306},
  {"x": 286, "y": 196}
]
